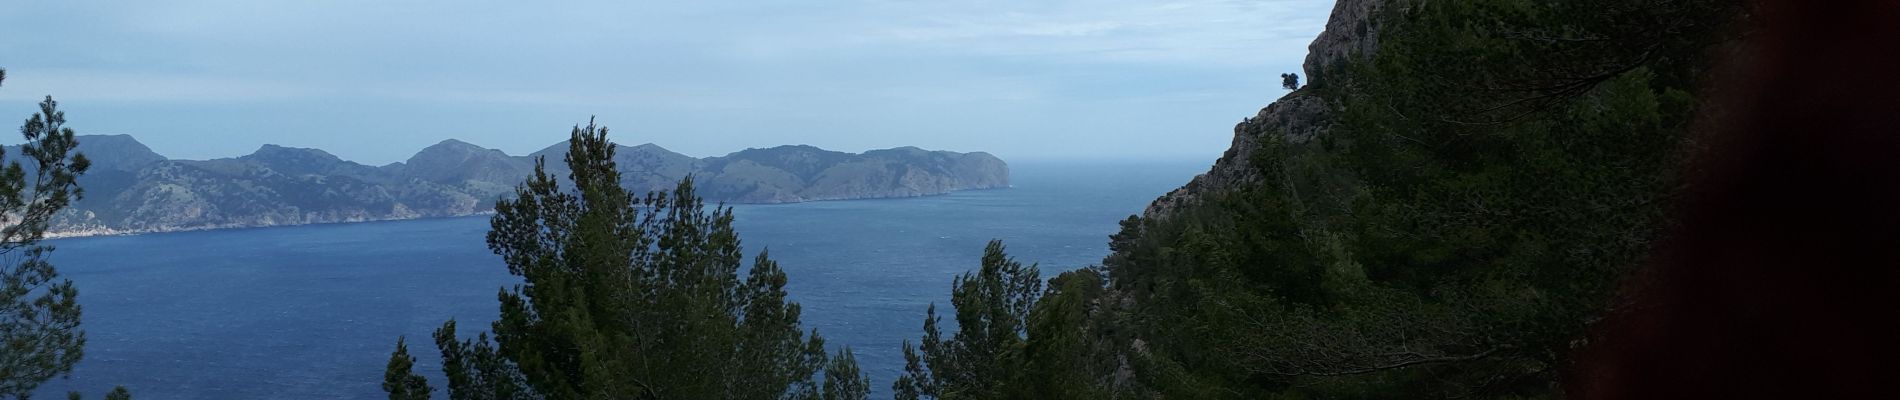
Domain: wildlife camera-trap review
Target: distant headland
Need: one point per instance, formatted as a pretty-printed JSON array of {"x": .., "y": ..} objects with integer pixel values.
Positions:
[{"x": 131, "y": 189}]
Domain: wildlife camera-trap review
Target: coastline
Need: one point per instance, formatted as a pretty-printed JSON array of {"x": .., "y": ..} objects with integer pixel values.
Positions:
[
  {"x": 101, "y": 231},
  {"x": 104, "y": 231}
]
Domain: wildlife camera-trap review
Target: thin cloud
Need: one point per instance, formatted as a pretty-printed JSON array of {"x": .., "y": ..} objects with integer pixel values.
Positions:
[{"x": 698, "y": 77}]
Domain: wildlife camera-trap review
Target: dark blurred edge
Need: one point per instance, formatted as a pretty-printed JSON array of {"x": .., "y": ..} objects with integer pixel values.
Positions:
[{"x": 1780, "y": 280}]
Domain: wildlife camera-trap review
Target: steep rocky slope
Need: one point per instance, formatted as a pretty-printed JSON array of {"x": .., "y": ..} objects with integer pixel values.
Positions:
[
  {"x": 1299, "y": 117},
  {"x": 1444, "y": 211}
]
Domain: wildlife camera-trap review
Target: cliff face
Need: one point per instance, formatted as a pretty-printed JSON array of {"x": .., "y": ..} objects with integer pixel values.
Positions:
[
  {"x": 132, "y": 189},
  {"x": 276, "y": 186},
  {"x": 1351, "y": 33},
  {"x": 1463, "y": 191},
  {"x": 804, "y": 173}
]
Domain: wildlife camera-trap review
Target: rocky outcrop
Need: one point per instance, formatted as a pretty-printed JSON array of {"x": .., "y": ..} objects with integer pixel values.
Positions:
[
  {"x": 1352, "y": 31},
  {"x": 454, "y": 162},
  {"x": 804, "y": 173},
  {"x": 131, "y": 189},
  {"x": 1299, "y": 116},
  {"x": 116, "y": 152}
]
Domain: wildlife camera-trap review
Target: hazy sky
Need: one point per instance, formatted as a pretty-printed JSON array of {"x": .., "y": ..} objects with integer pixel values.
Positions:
[{"x": 375, "y": 80}]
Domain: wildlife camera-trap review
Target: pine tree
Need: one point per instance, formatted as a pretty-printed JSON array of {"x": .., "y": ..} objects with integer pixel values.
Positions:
[
  {"x": 117, "y": 393},
  {"x": 400, "y": 380},
  {"x": 40, "y": 338},
  {"x": 627, "y": 296},
  {"x": 984, "y": 357},
  {"x": 473, "y": 369},
  {"x": 843, "y": 380}
]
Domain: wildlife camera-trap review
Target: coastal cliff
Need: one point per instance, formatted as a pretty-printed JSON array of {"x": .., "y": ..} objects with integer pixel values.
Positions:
[
  {"x": 1442, "y": 211},
  {"x": 132, "y": 189},
  {"x": 1296, "y": 119}
]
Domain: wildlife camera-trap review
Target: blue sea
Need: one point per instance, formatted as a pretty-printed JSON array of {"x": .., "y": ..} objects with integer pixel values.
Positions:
[{"x": 312, "y": 312}]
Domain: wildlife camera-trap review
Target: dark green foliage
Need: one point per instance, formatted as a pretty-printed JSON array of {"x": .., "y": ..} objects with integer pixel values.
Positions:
[
  {"x": 1290, "y": 81},
  {"x": 400, "y": 379},
  {"x": 117, "y": 393},
  {"x": 843, "y": 380},
  {"x": 475, "y": 371},
  {"x": 1486, "y": 178},
  {"x": 1491, "y": 172},
  {"x": 625, "y": 297},
  {"x": 1066, "y": 356},
  {"x": 983, "y": 357},
  {"x": 40, "y": 338},
  {"x": 1015, "y": 340}
]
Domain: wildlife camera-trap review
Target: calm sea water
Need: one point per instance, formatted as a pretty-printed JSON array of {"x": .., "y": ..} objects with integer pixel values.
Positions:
[{"x": 312, "y": 312}]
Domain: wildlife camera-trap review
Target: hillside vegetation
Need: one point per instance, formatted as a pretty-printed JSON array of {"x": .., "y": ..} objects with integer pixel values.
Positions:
[{"x": 1444, "y": 212}]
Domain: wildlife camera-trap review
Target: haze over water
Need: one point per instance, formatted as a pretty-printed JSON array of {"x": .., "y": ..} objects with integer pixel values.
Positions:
[{"x": 313, "y": 311}]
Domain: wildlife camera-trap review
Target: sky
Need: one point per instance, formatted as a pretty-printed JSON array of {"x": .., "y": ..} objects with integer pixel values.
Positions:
[{"x": 374, "y": 81}]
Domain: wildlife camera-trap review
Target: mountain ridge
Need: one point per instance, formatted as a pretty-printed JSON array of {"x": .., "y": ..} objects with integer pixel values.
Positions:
[{"x": 132, "y": 189}]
